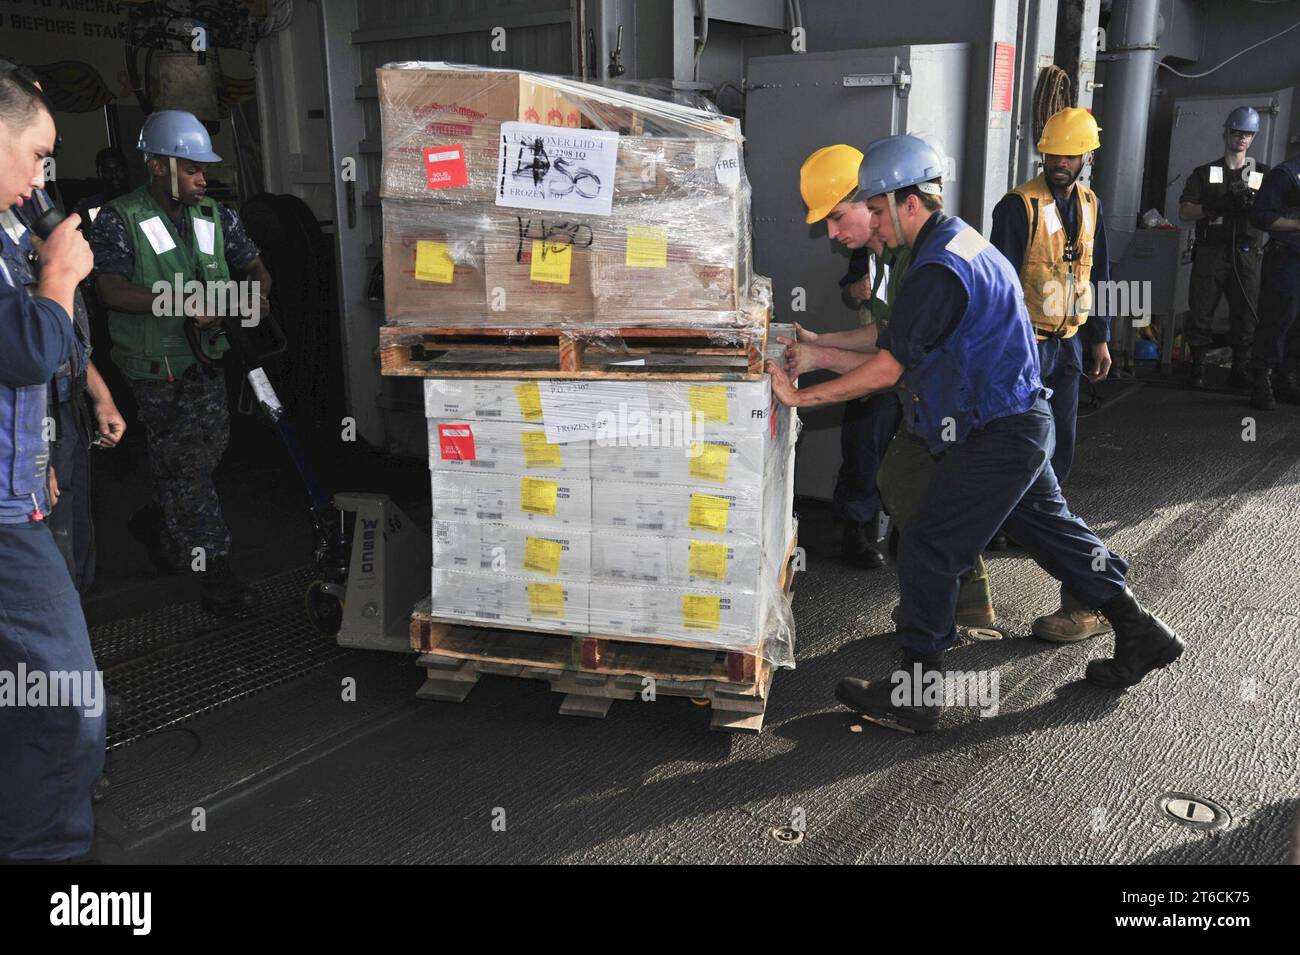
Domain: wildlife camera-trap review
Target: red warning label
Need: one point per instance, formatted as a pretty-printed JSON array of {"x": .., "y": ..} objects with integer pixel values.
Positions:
[
  {"x": 456, "y": 442},
  {"x": 444, "y": 166}
]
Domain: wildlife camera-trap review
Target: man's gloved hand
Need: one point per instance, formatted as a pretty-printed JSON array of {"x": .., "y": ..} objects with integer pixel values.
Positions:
[{"x": 1240, "y": 197}]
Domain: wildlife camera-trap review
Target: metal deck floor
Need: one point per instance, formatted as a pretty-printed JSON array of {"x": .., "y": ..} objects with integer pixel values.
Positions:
[{"x": 1064, "y": 773}]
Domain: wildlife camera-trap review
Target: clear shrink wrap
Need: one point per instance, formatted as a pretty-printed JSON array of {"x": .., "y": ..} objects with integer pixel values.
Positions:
[
  {"x": 513, "y": 199},
  {"x": 561, "y": 544}
]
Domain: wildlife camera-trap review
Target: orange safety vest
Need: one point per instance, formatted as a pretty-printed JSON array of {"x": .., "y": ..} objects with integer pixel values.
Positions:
[{"x": 1055, "y": 277}]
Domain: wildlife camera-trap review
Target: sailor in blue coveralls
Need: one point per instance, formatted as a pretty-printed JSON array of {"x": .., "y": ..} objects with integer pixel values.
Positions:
[
  {"x": 962, "y": 349},
  {"x": 1275, "y": 356},
  {"x": 51, "y": 754}
]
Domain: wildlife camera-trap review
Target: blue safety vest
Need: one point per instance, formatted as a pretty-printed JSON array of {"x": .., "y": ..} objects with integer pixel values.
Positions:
[{"x": 987, "y": 366}]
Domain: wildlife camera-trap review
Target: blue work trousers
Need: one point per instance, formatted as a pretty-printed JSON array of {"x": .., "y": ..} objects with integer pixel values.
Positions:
[
  {"x": 1060, "y": 363},
  {"x": 864, "y": 437},
  {"x": 50, "y": 755},
  {"x": 1277, "y": 339},
  {"x": 999, "y": 476}
]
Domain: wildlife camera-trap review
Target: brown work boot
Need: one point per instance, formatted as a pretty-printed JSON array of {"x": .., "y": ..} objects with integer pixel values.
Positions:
[
  {"x": 1070, "y": 624},
  {"x": 975, "y": 616}
]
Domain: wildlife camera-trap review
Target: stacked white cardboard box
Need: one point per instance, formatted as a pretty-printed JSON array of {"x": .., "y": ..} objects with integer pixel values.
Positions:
[{"x": 553, "y": 508}]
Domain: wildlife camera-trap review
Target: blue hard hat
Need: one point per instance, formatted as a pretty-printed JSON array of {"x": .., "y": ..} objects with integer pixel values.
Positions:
[
  {"x": 174, "y": 132},
  {"x": 894, "y": 162},
  {"x": 1146, "y": 350},
  {"x": 1243, "y": 118}
]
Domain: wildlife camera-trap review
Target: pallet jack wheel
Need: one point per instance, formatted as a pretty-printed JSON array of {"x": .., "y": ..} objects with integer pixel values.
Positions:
[{"x": 324, "y": 610}]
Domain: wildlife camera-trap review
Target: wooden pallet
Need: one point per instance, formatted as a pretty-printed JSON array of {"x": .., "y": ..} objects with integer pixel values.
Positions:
[
  {"x": 594, "y": 670},
  {"x": 729, "y": 354}
]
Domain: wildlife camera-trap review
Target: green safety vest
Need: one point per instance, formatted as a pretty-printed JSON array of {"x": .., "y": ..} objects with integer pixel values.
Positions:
[
  {"x": 150, "y": 346},
  {"x": 897, "y": 260}
]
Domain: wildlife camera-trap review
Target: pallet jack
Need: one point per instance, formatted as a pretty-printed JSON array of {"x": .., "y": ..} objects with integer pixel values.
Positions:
[{"x": 370, "y": 561}]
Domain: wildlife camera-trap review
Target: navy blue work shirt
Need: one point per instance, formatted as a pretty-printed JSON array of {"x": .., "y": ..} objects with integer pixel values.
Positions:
[
  {"x": 1278, "y": 197},
  {"x": 114, "y": 246}
]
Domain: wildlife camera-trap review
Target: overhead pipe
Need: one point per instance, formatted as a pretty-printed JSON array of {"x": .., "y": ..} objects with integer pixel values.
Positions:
[{"x": 1132, "y": 46}]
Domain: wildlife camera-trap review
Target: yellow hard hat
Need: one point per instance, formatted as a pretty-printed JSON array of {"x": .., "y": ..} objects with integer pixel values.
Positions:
[
  {"x": 1069, "y": 132},
  {"x": 827, "y": 177}
]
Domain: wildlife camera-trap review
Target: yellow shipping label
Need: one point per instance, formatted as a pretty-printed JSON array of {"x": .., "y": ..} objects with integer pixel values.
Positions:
[
  {"x": 707, "y": 559},
  {"x": 538, "y": 452},
  {"x": 709, "y": 402},
  {"x": 551, "y": 262},
  {"x": 709, "y": 461},
  {"x": 432, "y": 263},
  {"x": 538, "y": 495},
  {"x": 530, "y": 400},
  {"x": 546, "y": 600},
  {"x": 708, "y": 513},
  {"x": 647, "y": 247},
  {"x": 701, "y": 612},
  {"x": 542, "y": 556}
]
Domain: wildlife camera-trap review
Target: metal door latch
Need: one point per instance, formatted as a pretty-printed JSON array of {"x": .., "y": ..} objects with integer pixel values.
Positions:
[{"x": 900, "y": 78}]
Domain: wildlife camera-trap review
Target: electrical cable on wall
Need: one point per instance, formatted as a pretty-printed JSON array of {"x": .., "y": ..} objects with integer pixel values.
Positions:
[{"x": 1197, "y": 76}]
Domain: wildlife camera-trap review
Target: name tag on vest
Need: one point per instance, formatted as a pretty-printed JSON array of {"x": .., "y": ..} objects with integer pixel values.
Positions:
[
  {"x": 1051, "y": 219},
  {"x": 967, "y": 243},
  {"x": 206, "y": 234},
  {"x": 160, "y": 239},
  {"x": 1216, "y": 174}
]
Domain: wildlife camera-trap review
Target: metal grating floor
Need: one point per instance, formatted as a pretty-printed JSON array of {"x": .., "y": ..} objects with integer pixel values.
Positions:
[{"x": 173, "y": 664}]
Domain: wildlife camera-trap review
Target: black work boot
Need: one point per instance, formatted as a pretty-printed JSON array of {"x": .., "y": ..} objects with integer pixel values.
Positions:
[
  {"x": 224, "y": 594},
  {"x": 1286, "y": 387},
  {"x": 1261, "y": 391},
  {"x": 146, "y": 525},
  {"x": 1143, "y": 642},
  {"x": 858, "y": 547},
  {"x": 911, "y": 699},
  {"x": 1196, "y": 376},
  {"x": 1239, "y": 377}
]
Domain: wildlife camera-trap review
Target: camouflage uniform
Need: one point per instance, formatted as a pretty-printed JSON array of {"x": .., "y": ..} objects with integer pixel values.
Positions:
[
  {"x": 187, "y": 421},
  {"x": 188, "y": 426}
]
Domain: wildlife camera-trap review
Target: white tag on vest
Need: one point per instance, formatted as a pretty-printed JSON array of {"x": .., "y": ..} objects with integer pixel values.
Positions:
[
  {"x": 1051, "y": 218},
  {"x": 205, "y": 232},
  {"x": 967, "y": 243},
  {"x": 1255, "y": 180},
  {"x": 159, "y": 238},
  {"x": 1216, "y": 174}
]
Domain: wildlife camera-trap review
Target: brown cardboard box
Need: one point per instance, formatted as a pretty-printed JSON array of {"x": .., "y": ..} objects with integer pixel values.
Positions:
[
  {"x": 538, "y": 268},
  {"x": 438, "y": 292},
  {"x": 436, "y": 109},
  {"x": 669, "y": 256}
]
